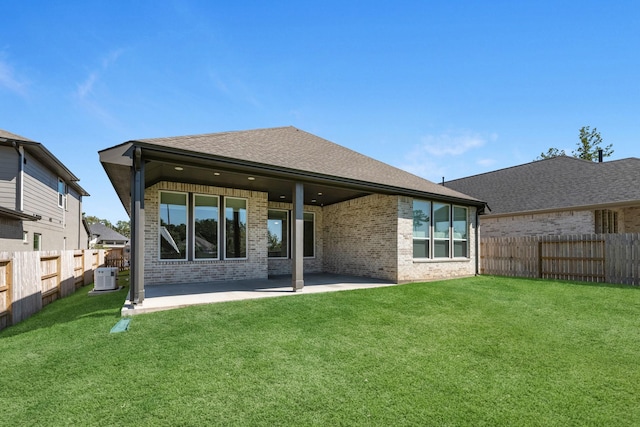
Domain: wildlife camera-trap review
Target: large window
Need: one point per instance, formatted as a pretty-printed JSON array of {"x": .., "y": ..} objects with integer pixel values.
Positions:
[
  {"x": 309, "y": 234},
  {"x": 278, "y": 233},
  {"x": 460, "y": 231},
  {"x": 173, "y": 225},
  {"x": 440, "y": 230},
  {"x": 421, "y": 227},
  {"x": 235, "y": 218},
  {"x": 441, "y": 224},
  {"x": 205, "y": 218}
]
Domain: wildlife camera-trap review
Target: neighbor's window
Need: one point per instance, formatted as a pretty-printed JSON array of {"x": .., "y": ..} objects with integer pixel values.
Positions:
[
  {"x": 460, "y": 238},
  {"x": 421, "y": 227},
  {"x": 37, "y": 237},
  {"x": 441, "y": 223},
  {"x": 205, "y": 217},
  {"x": 606, "y": 221},
  {"x": 173, "y": 225},
  {"x": 62, "y": 194},
  {"x": 278, "y": 233},
  {"x": 235, "y": 219},
  {"x": 309, "y": 234}
]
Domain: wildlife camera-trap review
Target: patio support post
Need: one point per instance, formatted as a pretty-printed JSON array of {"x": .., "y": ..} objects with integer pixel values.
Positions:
[
  {"x": 297, "y": 254},
  {"x": 137, "y": 229}
]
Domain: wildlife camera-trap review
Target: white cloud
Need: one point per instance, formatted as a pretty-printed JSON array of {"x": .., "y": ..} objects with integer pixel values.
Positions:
[
  {"x": 486, "y": 162},
  {"x": 86, "y": 87},
  {"x": 450, "y": 144},
  {"x": 446, "y": 154},
  {"x": 9, "y": 80}
]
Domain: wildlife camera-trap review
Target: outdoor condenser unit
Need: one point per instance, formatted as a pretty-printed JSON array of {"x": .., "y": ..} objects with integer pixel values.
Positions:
[{"x": 105, "y": 278}]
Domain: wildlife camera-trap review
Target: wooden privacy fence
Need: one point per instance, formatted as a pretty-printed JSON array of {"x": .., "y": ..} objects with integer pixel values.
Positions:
[
  {"x": 610, "y": 258},
  {"x": 31, "y": 280}
]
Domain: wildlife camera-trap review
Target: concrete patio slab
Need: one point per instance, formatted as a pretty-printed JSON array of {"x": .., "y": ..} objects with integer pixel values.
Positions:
[{"x": 171, "y": 296}]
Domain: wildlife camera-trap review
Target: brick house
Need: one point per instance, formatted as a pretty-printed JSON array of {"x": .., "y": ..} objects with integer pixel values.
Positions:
[
  {"x": 280, "y": 201},
  {"x": 560, "y": 195},
  {"x": 40, "y": 199}
]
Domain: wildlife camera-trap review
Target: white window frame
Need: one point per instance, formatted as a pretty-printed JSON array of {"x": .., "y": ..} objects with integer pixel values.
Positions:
[
  {"x": 451, "y": 239},
  {"x": 62, "y": 196},
  {"x": 246, "y": 237},
  {"x": 192, "y": 234},
  {"x": 25, "y": 237},
  {"x": 453, "y": 235},
  {"x": 429, "y": 238}
]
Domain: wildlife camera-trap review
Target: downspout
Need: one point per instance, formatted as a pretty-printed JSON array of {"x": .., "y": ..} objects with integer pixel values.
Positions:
[{"x": 20, "y": 178}]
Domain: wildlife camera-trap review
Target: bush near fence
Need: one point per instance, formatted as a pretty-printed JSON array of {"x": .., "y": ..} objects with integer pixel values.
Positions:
[
  {"x": 31, "y": 280},
  {"x": 608, "y": 258}
]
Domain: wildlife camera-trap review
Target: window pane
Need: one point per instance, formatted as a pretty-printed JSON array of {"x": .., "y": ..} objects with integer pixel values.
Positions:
[
  {"x": 205, "y": 216},
  {"x": 277, "y": 233},
  {"x": 460, "y": 248},
  {"x": 309, "y": 235},
  {"x": 236, "y": 227},
  {"x": 173, "y": 226},
  {"x": 440, "y": 221},
  {"x": 421, "y": 218},
  {"x": 420, "y": 248},
  {"x": 441, "y": 249},
  {"x": 459, "y": 222}
]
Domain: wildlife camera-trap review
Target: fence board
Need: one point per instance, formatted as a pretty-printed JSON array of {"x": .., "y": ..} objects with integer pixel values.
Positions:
[
  {"x": 611, "y": 258},
  {"x": 30, "y": 280}
]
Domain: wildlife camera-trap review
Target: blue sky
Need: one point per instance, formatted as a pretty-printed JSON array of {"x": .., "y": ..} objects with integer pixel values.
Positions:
[{"x": 447, "y": 89}]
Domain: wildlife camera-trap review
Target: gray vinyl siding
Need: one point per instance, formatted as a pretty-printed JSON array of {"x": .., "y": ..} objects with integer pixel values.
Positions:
[
  {"x": 8, "y": 177},
  {"x": 41, "y": 194}
]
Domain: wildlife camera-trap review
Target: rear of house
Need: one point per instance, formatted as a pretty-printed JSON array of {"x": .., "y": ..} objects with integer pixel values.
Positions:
[{"x": 281, "y": 201}]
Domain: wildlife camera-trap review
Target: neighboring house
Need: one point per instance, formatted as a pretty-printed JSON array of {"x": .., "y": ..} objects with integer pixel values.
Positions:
[
  {"x": 250, "y": 204},
  {"x": 106, "y": 237},
  {"x": 560, "y": 195},
  {"x": 40, "y": 199}
]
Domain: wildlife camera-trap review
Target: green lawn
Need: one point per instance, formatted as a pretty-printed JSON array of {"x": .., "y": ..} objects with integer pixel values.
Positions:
[{"x": 478, "y": 351}]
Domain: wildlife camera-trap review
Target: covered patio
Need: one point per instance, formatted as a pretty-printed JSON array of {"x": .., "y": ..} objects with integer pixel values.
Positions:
[{"x": 170, "y": 296}]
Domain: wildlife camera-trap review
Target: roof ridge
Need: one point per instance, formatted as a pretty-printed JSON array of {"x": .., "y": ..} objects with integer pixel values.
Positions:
[
  {"x": 555, "y": 158},
  {"x": 199, "y": 135}
]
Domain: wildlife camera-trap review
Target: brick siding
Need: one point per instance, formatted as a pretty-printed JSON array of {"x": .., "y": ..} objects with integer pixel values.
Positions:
[
  {"x": 254, "y": 267},
  {"x": 567, "y": 222},
  {"x": 410, "y": 270},
  {"x": 360, "y": 237}
]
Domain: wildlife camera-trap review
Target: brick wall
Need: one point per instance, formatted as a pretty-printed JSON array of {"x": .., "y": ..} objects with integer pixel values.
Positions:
[
  {"x": 630, "y": 220},
  {"x": 279, "y": 266},
  {"x": 360, "y": 237},
  {"x": 410, "y": 270},
  {"x": 568, "y": 222},
  {"x": 254, "y": 267}
]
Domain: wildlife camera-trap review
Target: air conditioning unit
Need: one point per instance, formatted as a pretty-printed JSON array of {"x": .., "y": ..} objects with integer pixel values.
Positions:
[{"x": 105, "y": 279}]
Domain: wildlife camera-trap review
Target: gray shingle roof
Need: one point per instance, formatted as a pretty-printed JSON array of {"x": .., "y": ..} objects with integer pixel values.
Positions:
[
  {"x": 105, "y": 233},
  {"x": 293, "y": 149},
  {"x": 557, "y": 183}
]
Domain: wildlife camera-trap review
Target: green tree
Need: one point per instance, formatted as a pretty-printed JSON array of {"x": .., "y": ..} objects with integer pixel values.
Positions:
[
  {"x": 590, "y": 144},
  {"x": 588, "y": 147},
  {"x": 124, "y": 228},
  {"x": 551, "y": 152}
]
